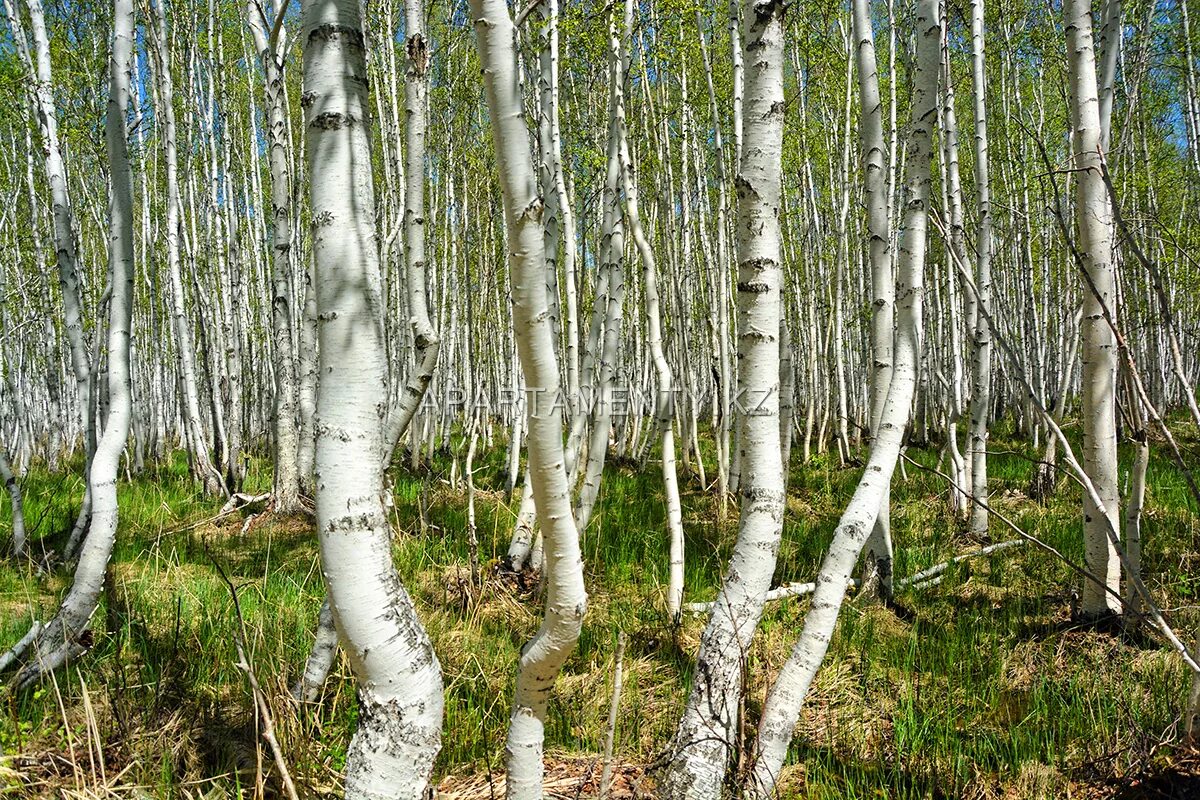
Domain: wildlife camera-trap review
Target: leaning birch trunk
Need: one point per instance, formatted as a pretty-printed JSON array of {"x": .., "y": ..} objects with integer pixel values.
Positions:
[
  {"x": 877, "y": 565},
  {"x": 703, "y": 743},
  {"x": 661, "y": 368},
  {"x": 612, "y": 262},
  {"x": 550, "y": 10},
  {"x": 787, "y": 695},
  {"x": 399, "y": 678},
  {"x": 981, "y": 364},
  {"x": 202, "y": 466},
  {"x": 63, "y": 639},
  {"x": 1094, "y": 218},
  {"x": 320, "y": 658},
  {"x": 17, "y": 545},
  {"x": 416, "y": 88},
  {"x": 65, "y": 243},
  {"x": 543, "y": 656},
  {"x": 286, "y": 487}
]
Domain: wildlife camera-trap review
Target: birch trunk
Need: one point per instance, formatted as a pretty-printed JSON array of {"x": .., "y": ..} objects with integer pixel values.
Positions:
[
  {"x": 981, "y": 365},
  {"x": 787, "y": 695},
  {"x": 416, "y": 88},
  {"x": 17, "y": 544},
  {"x": 542, "y": 657},
  {"x": 725, "y": 369},
  {"x": 202, "y": 466},
  {"x": 663, "y": 402},
  {"x": 612, "y": 261},
  {"x": 1134, "y": 503},
  {"x": 65, "y": 243},
  {"x": 1094, "y": 219},
  {"x": 701, "y": 750},
  {"x": 309, "y": 380},
  {"x": 399, "y": 678},
  {"x": 286, "y": 488},
  {"x": 63, "y": 638},
  {"x": 877, "y": 565}
]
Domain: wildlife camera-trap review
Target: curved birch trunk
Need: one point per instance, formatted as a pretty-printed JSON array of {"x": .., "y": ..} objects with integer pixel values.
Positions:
[
  {"x": 788, "y": 693},
  {"x": 703, "y": 743},
  {"x": 543, "y": 656},
  {"x": 416, "y": 87},
  {"x": 1094, "y": 218},
  {"x": 398, "y": 675},
  {"x": 65, "y": 243},
  {"x": 612, "y": 261},
  {"x": 662, "y": 369},
  {"x": 63, "y": 638}
]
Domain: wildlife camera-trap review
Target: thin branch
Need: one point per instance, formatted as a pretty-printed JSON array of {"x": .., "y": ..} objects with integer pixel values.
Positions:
[{"x": 260, "y": 702}]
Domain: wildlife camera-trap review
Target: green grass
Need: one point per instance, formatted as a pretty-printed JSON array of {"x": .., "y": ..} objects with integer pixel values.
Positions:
[{"x": 979, "y": 687}]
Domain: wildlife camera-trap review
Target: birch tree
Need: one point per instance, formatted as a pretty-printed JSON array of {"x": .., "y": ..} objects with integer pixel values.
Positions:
[
  {"x": 663, "y": 402},
  {"x": 416, "y": 88},
  {"x": 981, "y": 364},
  {"x": 41, "y": 95},
  {"x": 16, "y": 545},
  {"x": 878, "y": 561},
  {"x": 398, "y": 675},
  {"x": 63, "y": 638},
  {"x": 791, "y": 686},
  {"x": 542, "y": 657},
  {"x": 700, "y": 752},
  {"x": 198, "y": 446},
  {"x": 1093, "y": 216},
  {"x": 270, "y": 46}
]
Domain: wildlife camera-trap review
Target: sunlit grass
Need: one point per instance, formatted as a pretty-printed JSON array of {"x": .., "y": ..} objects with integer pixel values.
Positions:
[{"x": 978, "y": 686}]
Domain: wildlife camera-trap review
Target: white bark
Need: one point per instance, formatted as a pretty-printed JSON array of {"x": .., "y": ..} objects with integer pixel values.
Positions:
[
  {"x": 399, "y": 678},
  {"x": 614, "y": 708},
  {"x": 62, "y": 639},
  {"x": 877, "y": 564},
  {"x": 13, "y": 486},
  {"x": 65, "y": 244},
  {"x": 286, "y": 488},
  {"x": 981, "y": 365},
  {"x": 320, "y": 658},
  {"x": 428, "y": 344},
  {"x": 543, "y": 656},
  {"x": 612, "y": 262},
  {"x": 1134, "y": 503},
  {"x": 702, "y": 747},
  {"x": 787, "y": 695},
  {"x": 725, "y": 369},
  {"x": 309, "y": 380},
  {"x": 202, "y": 466},
  {"x": 1094, "y": 218},
  {"x": 663, "y": 403}
]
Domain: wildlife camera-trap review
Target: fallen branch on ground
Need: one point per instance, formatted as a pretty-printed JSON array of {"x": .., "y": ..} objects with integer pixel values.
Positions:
[{"x": 921, "y": 580}]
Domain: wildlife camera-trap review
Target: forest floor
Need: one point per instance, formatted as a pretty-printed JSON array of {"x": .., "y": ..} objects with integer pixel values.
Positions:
[{"x": 979, "y": 687}]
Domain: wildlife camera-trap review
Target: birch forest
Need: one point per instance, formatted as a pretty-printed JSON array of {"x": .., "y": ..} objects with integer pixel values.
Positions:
[{"x": 646, "y": 399}]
